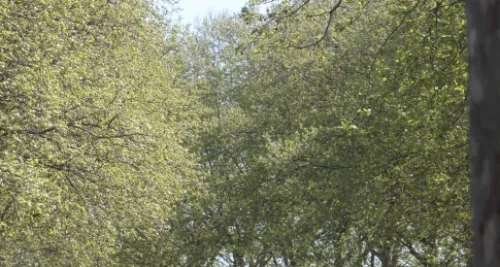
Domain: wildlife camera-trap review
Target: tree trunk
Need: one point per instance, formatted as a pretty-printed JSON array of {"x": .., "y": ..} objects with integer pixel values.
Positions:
[
  {"x": 238, "y": 260},
  {"x": 483, "y": 21},
  {"x": 384, "y": 256}
]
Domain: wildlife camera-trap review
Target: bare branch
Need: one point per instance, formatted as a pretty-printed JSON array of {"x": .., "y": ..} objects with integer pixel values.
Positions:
[{"x": 327, "y": 28}]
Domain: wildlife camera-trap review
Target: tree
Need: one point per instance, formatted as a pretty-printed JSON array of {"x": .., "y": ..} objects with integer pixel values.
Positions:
[
  {"x": 318, "y": 133},
  {"x": 328, "y": 154},
  {"x": 92, "y": 128},
  {"x": 483, "y": 21}
]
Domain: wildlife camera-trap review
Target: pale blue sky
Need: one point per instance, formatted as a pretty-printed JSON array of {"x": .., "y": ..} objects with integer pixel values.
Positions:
[{"x": 191, "y": 9}]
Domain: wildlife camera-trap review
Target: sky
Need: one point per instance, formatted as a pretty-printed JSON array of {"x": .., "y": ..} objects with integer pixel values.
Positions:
[{"x": 191, "y": 9}]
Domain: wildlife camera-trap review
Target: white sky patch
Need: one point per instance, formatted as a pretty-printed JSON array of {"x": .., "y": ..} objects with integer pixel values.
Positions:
[{"x": 191, "y": 10}]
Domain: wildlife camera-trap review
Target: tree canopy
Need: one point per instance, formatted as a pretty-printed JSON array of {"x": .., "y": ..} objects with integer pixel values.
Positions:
[{"x": 314, "y": 133}]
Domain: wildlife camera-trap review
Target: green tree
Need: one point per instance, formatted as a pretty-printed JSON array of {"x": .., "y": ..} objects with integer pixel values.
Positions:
[
  {"x": 93, "y": 123},
  {"x": 327, "y": 154}
]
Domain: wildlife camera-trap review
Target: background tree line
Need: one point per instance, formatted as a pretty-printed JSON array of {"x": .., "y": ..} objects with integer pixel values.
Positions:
[{"x": 316, "y": 133}]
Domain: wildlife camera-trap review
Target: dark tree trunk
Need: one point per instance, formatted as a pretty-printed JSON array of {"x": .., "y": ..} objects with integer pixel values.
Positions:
[
  {"x": 483, "y": 23},
  {"x": 238, "y": 260},
  {"x": 385, "y": 258}
]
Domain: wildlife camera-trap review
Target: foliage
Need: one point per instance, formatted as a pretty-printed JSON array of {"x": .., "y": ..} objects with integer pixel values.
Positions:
[
  {"x": 92, "y": 129},
  {"x": 314, "y": 134},
  {"x": 345, "y": 152}
]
